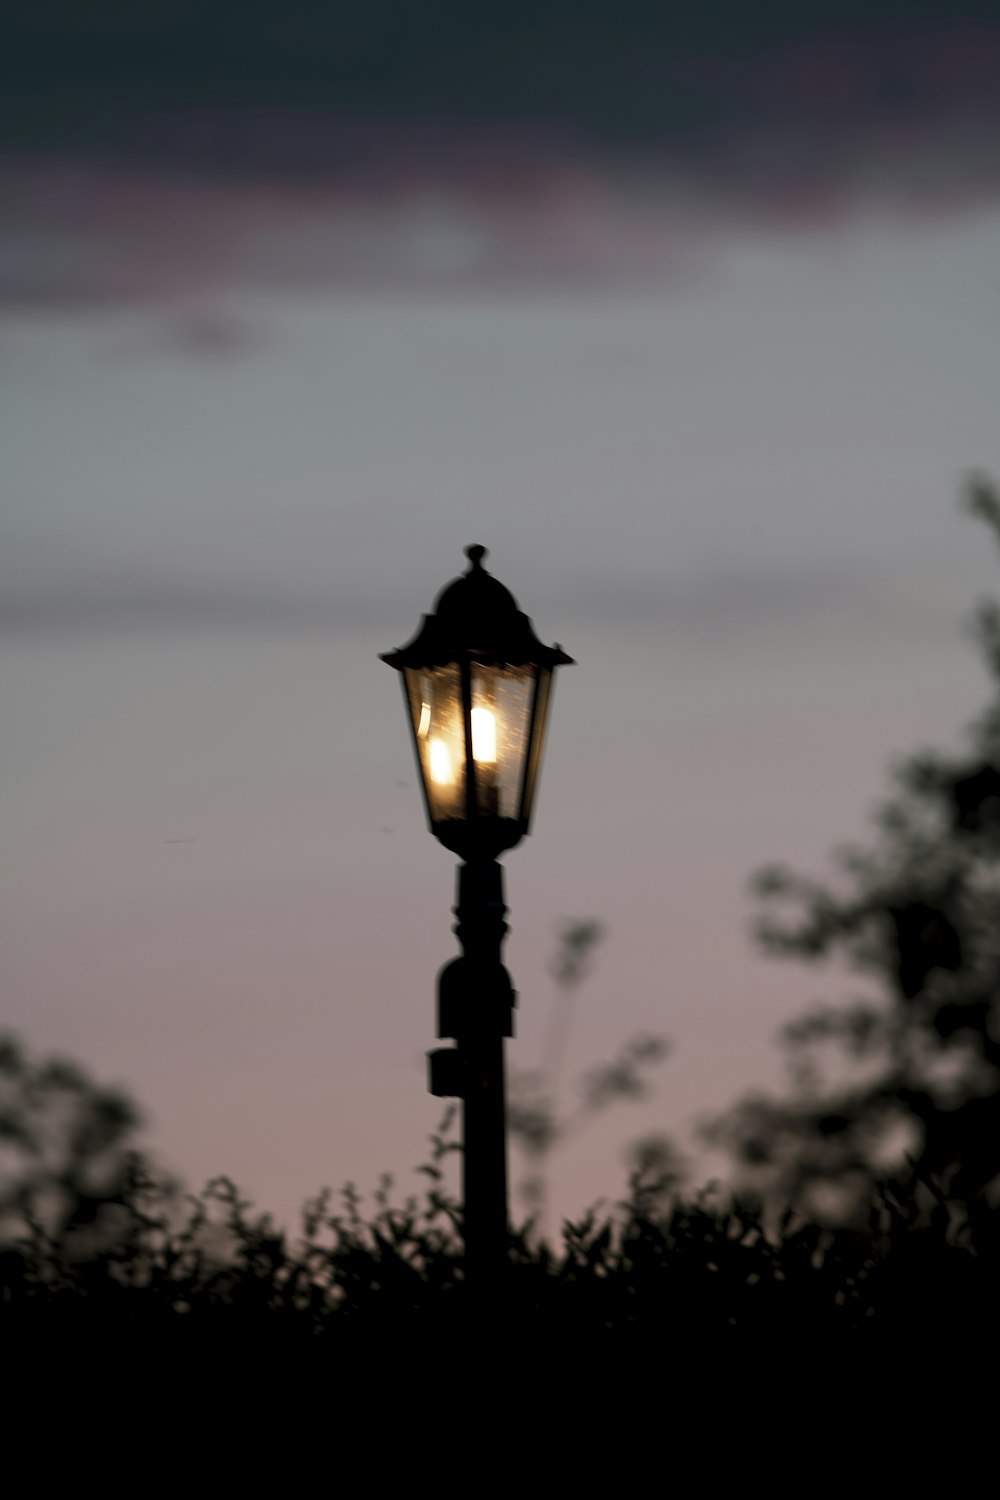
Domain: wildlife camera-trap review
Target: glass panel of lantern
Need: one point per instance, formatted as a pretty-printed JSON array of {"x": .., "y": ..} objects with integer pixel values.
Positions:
[
  {"x": 501, "y": 721},
  {"x": 435, "y": 697},
  {"x": 540, "y": 712},
  {"x": 502, "y": 698}
]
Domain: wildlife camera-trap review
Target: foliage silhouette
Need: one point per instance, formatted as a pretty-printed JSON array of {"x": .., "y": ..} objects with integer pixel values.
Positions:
[
  {"x": 538, "y": 1125},
  {"x": 64, "y": 1147},
  {"x": 705, "y": 1283},
  {"x": 907, "y": 1079}
]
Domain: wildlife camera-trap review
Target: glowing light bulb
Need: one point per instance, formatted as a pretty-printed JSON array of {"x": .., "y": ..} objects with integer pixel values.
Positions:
[
  {"x": 440, "y": 763},
  {"x": 484, "y": 736}
]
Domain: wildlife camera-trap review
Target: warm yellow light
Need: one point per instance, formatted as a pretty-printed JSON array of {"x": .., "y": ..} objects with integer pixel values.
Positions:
[
  {"x": 440, "y": 760},
  {"x": 484, "y": 736},
  {"x": 425, "y": 720}
]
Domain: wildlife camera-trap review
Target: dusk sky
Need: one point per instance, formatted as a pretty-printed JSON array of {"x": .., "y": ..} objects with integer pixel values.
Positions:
[{"x": 694, "y": 323}]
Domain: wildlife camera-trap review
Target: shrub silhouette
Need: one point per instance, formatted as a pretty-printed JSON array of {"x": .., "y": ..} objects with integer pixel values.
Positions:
[{"x": 707, "y": 1280}]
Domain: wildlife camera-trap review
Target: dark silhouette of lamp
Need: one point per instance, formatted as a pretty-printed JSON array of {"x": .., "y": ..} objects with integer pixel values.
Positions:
[{"x": 477, "y": 684}]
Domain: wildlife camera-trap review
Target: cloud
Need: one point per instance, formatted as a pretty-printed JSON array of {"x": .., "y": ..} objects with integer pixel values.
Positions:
[
  {"x": 605, "y": 70},
  {"x": 87, "y": 234},
  {"x": 43, "y": 591},
  {"x": 57, "y": 599},
  {"x": 435, "y": 157},
  {"x": 206, "y": 333}
]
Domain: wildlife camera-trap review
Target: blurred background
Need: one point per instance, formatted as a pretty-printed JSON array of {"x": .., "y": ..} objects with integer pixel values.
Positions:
[{"x": 688, "y": 313}]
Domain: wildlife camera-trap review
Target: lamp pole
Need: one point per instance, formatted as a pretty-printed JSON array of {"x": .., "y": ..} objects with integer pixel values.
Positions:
[
  {"x": 476, "y": 1008},
  {"x": 477, "y": 687}
]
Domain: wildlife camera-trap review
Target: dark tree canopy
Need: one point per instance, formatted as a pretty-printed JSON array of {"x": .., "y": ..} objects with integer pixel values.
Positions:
[{"x": 906, "y": 1079}]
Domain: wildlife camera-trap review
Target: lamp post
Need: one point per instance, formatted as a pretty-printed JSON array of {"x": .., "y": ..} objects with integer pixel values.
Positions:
[{"x": 477, "y": 684}]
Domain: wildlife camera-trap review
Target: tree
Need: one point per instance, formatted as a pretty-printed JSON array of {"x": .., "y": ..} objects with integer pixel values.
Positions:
[
  {"x": 66, "y": 1162},
  {"x": 905, "y": 1082}
]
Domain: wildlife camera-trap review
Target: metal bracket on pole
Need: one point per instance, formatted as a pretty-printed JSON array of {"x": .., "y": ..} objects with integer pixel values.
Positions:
[{"x": 444, "y": 1072}]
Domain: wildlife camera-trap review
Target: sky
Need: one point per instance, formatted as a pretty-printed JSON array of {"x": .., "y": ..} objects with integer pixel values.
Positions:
[{"x": 691, "y": 321}]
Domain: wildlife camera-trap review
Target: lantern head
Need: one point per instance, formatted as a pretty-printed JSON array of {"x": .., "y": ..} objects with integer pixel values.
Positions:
[{"x": 477, "y": 683}]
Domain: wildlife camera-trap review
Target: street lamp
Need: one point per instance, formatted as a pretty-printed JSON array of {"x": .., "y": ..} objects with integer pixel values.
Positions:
[{"x": 477, "y": 684}]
